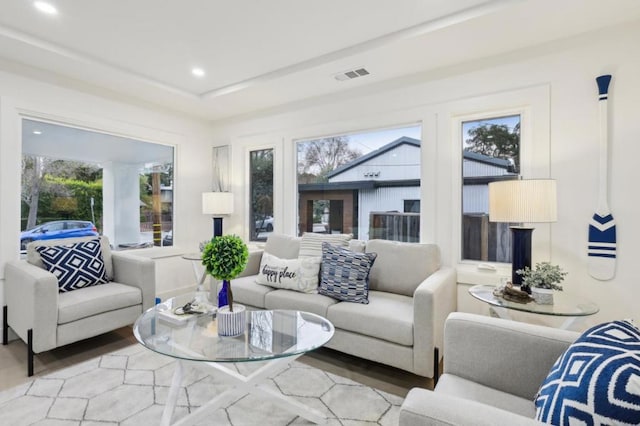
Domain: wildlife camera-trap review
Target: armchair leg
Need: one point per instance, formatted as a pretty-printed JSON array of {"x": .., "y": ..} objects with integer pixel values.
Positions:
[
  {"x": 5, "y": 326},
  {"x": 436, "y": 366},
  {"x": 30, "y": 352}
]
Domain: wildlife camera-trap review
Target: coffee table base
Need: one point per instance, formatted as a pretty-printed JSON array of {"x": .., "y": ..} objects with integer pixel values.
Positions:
[{"x": 242, "y": 384}]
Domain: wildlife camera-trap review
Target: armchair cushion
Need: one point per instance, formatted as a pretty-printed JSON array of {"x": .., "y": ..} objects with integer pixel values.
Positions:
[
  {"x": 596, "y": 380},
  {"x": 75, "y": 265},
  {"x": 34, "y": 258}
]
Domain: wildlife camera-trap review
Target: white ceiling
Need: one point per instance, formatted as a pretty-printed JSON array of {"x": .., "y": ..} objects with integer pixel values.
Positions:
[{"x": 259, "y": 54}]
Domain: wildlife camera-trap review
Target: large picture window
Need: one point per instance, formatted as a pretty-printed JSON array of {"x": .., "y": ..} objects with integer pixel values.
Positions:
[
  {"x": 361, "y": 183},
  {"x": 77, "y": 182},
  {"x": 490, "y": 152},
  {"x": 261, "y": 223}
]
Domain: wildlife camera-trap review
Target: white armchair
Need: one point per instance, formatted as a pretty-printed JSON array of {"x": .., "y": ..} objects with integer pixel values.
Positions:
[
  {"x": 492, "y": 371},
  {"x": 45, "y": 318}
]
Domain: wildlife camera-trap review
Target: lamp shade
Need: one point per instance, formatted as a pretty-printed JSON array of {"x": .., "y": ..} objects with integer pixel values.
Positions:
[
  {"x": 527, "y": 200},
  {"x": 217, "y": 203}
]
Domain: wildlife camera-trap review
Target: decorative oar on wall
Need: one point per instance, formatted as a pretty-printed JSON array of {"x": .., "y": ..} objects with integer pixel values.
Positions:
[{"x": 602, "y": 228}]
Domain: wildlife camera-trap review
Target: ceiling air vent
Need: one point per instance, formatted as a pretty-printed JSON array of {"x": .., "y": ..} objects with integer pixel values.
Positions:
[{"x": 351, "y": 74}]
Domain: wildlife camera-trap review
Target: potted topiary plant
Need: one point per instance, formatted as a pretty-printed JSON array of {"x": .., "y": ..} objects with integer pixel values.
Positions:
[
  {"x": 224, "y": 258},
  {"x": 542, "y": 280}
]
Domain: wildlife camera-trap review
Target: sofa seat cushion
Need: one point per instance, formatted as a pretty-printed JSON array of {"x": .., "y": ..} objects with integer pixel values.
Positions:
[
  {"x": 387, "y": 316},
  {"x": 288, "y": 299},
  {"x": 247, "y": 291},
  {"x": 453, "y": 385},
  {"x": 90, "y": 301}
]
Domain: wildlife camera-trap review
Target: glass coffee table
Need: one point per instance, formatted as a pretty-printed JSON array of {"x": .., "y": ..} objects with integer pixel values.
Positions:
[
  {"x": 564, "y": 305},
  {"x": 275, "y": 336}
]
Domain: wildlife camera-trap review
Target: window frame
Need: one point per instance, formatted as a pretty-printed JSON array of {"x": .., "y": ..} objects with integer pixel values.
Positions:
[{"x": 533, "y": 106}]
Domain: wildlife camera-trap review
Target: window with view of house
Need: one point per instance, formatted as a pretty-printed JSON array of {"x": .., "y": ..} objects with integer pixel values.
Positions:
[
  {"x": 490, "y": 152},
  {"x": 261, "y": 190},
  {"x": 78, "y": 182},
  {"x": 361, "y": 183}
]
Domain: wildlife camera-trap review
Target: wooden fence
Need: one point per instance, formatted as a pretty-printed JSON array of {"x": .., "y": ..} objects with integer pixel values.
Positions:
[
  {"x": 394, "y": 226},
  {"x": 484, "y": 240}
]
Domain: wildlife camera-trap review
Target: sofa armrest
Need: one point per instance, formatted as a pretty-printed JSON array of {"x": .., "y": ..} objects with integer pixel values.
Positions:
[
  {"x": 433, "y": 300},
  {"x": 32, "y": 303},
  {"x": 476, "y": 347},
  {"x": 423, "y": 407},
  {"x": 253, "y": 264},
  {"x": 136, "y": 271}
]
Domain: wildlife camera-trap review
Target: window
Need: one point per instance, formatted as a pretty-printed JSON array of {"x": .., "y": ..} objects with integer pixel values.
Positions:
[
  {"x": 261, "y": 190},
  {"x": 490, "y": 152},
  {"x": 357, "y": 183},
  {"x": 86, "y": 182}
]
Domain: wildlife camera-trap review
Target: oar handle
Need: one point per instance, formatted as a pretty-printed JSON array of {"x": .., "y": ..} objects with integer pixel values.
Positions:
[{"x": 603, "y": 95}]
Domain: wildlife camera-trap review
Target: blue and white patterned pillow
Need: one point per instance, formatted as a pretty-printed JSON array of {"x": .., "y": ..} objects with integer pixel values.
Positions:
[
  {"x": 75, "y": 265},
  {"x": 344, "y": 274},
  {"x": 596, "y": 381}
]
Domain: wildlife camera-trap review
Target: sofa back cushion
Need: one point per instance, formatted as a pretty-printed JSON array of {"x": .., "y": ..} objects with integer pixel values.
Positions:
[
  {"x": 34, "y": 258},
  {"x": 282, "y": 246},
  {"x": 400, "y": 267}
]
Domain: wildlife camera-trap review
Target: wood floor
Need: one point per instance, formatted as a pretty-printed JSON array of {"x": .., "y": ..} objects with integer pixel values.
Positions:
[{"x": 13, "y": 363}]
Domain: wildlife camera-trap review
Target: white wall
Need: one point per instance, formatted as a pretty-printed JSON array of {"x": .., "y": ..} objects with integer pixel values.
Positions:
[{"x": 554, "y": 85}]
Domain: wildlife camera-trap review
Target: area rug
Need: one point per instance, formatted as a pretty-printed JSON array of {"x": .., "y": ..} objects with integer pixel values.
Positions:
[{"x": 130, "y": 386}]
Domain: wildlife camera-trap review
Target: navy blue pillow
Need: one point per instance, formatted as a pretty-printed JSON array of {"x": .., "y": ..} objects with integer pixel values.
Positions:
[
  {"x": 344, "y": 274},
  {"x": 596, "y": 381},
  {"x": 75, "y": 265}
]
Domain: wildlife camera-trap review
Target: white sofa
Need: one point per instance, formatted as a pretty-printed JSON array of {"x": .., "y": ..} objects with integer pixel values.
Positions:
[
  {"x": 492, "y": 371},
  {"x": 46, "y": 319},
  {"x": 410, "y": 296}
]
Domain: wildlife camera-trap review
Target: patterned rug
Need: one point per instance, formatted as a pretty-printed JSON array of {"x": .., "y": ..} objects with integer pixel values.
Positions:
[{"x": 130, "y": 386}]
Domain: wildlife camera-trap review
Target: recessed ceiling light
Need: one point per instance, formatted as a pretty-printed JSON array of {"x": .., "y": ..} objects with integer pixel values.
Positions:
[
  {"x": 37, "y": 132},
  {"x": 198, "y": 72},
  {"x": 45, "y": 7}
]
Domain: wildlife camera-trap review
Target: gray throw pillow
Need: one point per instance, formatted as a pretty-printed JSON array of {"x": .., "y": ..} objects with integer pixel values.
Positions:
[{"x": 344, "y": 274}]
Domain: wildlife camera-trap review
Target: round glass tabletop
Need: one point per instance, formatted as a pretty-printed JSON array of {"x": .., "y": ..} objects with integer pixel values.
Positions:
[
  {"x": 563, "y": 304},
  {"x": 269, "y": 334}
]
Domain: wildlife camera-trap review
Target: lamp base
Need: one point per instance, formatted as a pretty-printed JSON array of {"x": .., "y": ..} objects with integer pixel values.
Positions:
[
  {"x": 520, "y": 254},
  {"x": 217, "y": 227}
]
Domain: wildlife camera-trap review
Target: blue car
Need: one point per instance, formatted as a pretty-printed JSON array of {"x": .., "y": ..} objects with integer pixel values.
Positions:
[{"x": 58, "y": 229}]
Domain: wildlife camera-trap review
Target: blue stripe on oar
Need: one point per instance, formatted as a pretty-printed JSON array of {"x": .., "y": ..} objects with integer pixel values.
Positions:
[
  {"x": 602, "y": 219},
  {"x": 602, "y": 236}
]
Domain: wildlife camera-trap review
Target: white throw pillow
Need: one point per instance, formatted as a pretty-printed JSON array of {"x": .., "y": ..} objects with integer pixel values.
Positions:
[
  {"x": 311, "y": 244},
  {"x": 292, "y": 274}
]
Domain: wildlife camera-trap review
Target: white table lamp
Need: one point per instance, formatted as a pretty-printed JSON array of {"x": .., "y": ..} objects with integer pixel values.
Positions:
[
  {"x": 217, "y": 204},
  {"x": 522, "y": 201}
]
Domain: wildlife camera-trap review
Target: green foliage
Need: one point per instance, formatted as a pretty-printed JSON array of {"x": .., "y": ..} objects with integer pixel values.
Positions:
[
  {"x": 497, "y": 141},
  {"x": 545, "y": 275},
  {"x": 79, "y": 190},
  {"x": 225, "y": 257}
]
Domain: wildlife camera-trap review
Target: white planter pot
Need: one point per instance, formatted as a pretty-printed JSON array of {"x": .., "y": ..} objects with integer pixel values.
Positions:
[
  {"x": 232, "y": 323},
  {"x": 542, "y": 296}
]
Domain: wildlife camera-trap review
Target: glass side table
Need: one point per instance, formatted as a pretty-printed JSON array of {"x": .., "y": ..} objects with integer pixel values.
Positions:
[{"x": 564, "y": 305}]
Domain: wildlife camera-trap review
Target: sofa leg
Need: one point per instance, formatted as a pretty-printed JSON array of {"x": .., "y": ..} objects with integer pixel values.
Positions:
[
  {"x": 30, "y": 352},
  {"x": 436, "y": 366},
  {"x": 5, "y": 326}
]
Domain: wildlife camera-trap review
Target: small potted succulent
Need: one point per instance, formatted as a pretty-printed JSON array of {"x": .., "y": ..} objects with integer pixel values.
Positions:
[
  {"x": 224, "y": 258},
  {"x": 542, "y": 280}
]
